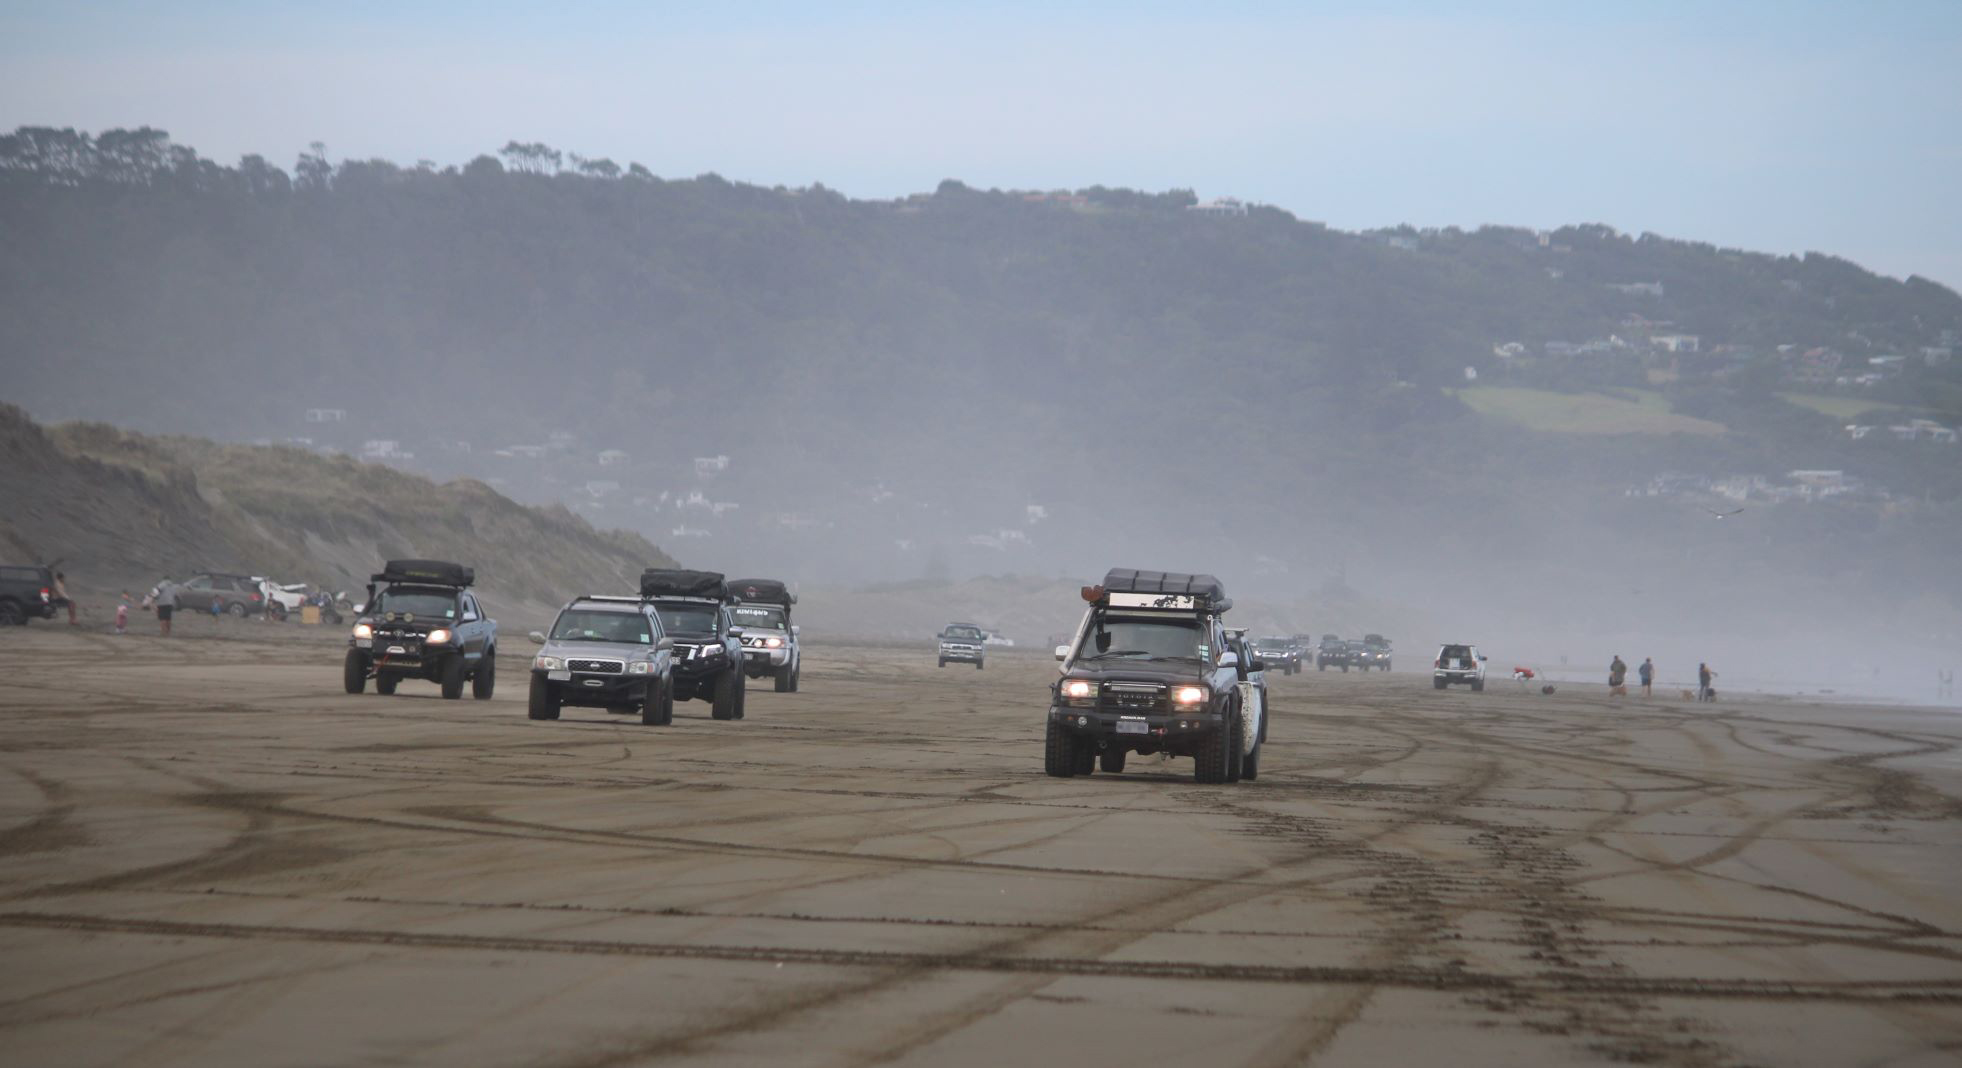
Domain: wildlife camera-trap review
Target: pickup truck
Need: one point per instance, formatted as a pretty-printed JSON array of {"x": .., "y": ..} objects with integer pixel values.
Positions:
[{"x": 426, "y": 624}]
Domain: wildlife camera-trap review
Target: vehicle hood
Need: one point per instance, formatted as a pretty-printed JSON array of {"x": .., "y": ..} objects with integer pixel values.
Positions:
[
  {"x": 1166, "y": 671},
  {"x": 597, "y": 650}
]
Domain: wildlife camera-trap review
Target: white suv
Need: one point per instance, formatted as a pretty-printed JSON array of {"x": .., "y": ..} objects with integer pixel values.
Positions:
[{"x": 1458, "y": 663}]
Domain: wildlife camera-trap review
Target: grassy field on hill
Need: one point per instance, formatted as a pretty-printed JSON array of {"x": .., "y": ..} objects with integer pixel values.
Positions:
[{"x": 1626, "y": 411}]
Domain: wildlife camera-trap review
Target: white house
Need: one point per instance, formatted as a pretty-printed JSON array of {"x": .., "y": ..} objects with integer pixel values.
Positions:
[{"x": 326, "y": 415}]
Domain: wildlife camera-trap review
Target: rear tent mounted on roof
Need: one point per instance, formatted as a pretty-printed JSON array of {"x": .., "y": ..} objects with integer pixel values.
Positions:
[
  {"x": 762, "y": 591},
  {"x": 427, "y": 572},
  {"x": 674, "y": 582},
  {"x": 1164, "y": 589}
]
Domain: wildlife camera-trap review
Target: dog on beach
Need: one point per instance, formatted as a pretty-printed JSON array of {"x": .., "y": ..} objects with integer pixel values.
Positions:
[
  {"x": 1689, "y": 695},
  {"x": 1617, "y": 691}
]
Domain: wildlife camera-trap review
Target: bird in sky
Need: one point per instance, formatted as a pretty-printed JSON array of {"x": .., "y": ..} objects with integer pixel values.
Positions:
[{"x": 1723, "y": 515}]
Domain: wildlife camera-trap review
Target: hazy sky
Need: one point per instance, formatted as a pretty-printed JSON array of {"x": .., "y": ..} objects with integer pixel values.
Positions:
[{"x": 1782, "y": 127}]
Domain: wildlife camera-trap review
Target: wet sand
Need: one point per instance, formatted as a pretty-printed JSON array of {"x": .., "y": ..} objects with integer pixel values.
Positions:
[{"x": 212, "y": 856}]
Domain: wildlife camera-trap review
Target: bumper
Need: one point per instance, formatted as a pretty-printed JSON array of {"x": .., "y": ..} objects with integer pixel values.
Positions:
[
  {"x": 1455, "y": 676},
  {"x": 699, "y": 670},
  {"x": 1151, "y": 729},
  {"x": 756, "y": 658},
  {"x": 966, "y": 656},
  {"x": 579, "y": 688}
]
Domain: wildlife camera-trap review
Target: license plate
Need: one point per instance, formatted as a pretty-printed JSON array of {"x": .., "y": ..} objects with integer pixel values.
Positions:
[
  {"x": 558, "y": 676},
  {"x": 1131, "y": 726},
  {"x": 396, "y": 650}
]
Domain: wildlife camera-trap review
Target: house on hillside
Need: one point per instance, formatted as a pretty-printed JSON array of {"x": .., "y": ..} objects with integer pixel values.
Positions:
[
  {"x": 326, "y": 415},
  {"x": 1675, "y": 343},
  {"x": 1924, "y": 430},
  {"x": 383, "y": 449},
  {"x": 710, "y": 466},
  {"x": 1637, "y": 289},
  {"x": 1857, "y": 431},
  {"x": 612, "y": 457},
  {"x": 1220, "y": 206}
]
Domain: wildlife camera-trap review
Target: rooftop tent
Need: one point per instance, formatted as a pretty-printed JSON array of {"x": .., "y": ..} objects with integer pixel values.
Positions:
[
  {"x": 763, "y": 591},
  {"x": 673, "y": 582},
  {"x": 1204, "y": 590},
  {"x": 428, "y": 572}
]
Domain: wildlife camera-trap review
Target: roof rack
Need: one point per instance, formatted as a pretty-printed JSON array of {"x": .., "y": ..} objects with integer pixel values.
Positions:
[
  {"x": 763, "y": 591},
  {"x": 1168, "y": 590},
  {"x": 610, "y": 598}
]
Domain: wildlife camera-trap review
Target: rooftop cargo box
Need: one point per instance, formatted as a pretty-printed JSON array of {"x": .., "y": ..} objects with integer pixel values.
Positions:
[
  {"x": 673, "y": 582},
  {"x": 426, "y": 572},
  {"x": 763, "y": 591}
]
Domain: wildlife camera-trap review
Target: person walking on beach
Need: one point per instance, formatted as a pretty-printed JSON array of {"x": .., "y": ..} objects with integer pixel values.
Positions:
[
  {"x": 1703, "y": 677},
  {"x": 62, "y": 600},
  {"x": 164, "y": 597},
  {"x": 122, "y": 614},
  {"x": 1617, "y": 676},
  {"x": 1647, "y": 674}
]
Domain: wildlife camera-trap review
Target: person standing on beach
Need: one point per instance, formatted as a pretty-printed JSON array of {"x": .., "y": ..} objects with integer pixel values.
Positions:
[
  {"x": 1703, "y": 677},
  {"x": 122, "y": 614},
  {"x": 61, "y": 598},
  {"x": 1617, "y": 674},
  {"x": 164, "y": 597},
  {"x": 1647, "y": 674}
]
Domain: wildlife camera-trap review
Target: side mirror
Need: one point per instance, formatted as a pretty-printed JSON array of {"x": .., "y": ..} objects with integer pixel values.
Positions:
[
  {"x": 1256, "y": 664},
  {"x": 537, "y": 637},
  {"x": 665, "y": 642},
  {"x": 1062, "y": 651},
  {"x": 735, "y": 632},
  {"x": 469, "y": 617},
  {"x": 1482, "y": 656},
  {"x": 359, "y": 608},
  {"x": 1229, "y": 659},
  {"x": 795, "y": 630}
]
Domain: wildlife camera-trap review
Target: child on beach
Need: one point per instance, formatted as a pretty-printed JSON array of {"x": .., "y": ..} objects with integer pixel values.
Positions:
[{"x": 122, "y": 614}]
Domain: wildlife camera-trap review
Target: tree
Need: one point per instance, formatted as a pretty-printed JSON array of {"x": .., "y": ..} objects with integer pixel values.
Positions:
[
  {"x": 532, "y": 157},
  {"x": 313, "y": 171}
]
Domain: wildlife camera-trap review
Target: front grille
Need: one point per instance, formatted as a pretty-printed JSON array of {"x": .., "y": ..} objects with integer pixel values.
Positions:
[
  {"x": 1133, "y": 697},
  {"x": 596, "y": 667}
]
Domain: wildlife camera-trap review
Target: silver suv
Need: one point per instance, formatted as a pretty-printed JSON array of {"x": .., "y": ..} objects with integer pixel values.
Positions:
[
  {"x": 963, "y": 643},
  {"x": 770, "y": 645},
  {"x": 605, "y": 652}
]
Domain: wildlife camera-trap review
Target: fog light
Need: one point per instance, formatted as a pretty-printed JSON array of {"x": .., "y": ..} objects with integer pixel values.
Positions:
[{"x": 1083, "y": 721}]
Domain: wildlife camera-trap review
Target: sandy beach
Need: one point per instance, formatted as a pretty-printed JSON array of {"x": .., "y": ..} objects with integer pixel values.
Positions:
[{"x": 213, "y": 856}]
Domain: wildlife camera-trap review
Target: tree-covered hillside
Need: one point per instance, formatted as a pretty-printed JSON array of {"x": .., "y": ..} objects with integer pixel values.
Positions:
[{"x": 978, "y": 370}]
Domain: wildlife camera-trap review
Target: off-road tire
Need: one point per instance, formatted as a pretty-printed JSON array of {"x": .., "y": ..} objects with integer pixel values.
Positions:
[
  {"x": 1209, "y": 763},
  {"x": 1058, "y": 751},
  {"x": 1236, "y": 746},
  {"x": 943, "y": 661},
  {"x": 1250, "y": 765},
  {"x": 452, "y": 677},
  {"x": 722, "y": 702},
  {"x": 1321, "y": 667},
  {"x": 658, "y": 709},
  {"x": 354, "y": 670},
  {"x": 1345, "y": 669},
  {"x": 1439, "y": 684},
  {"x": 797, "y": 675},
  {"x": 385, "y": 684},
  {"x": 1111, "y": 760},
  {"x": 544, "y": 702},
  {"x": 742, "y": 694},
  {"x": 783, "y": 683},
  {"x": 485, "y": 680},
  {"x": 978, "y": 664},
  {"x": 237, "y": 609},
  {"x": 1085, "y": 757},
  {"x": 1478, "y": 685},
  {"x": 1386, "y": 665}
]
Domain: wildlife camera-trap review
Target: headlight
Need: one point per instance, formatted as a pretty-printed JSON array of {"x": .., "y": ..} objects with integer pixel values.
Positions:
[
  {"x": 1078, "y": 688},
  {"x": 363, "y": 630},
  {"x": 546, "y": 663},
  {"x": 640, "y": 667},
  {"x": 1189, "y": 695},
  {"x": 438, "y": 636},
  {"x": 772, "y": 643}
]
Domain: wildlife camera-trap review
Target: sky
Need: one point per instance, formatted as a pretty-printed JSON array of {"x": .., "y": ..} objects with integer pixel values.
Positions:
[{"x": 1777, "y": 127}]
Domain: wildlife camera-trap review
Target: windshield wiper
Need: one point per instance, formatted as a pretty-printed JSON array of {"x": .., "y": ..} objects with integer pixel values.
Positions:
[
  {"x": 1175, "y": 657},
  {"x": 1116, "y": 652}
]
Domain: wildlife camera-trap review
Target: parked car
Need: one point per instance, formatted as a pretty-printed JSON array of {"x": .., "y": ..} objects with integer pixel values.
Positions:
[
  {"x": 219, "y": 591},
  {"x": 26, "y": 592}
]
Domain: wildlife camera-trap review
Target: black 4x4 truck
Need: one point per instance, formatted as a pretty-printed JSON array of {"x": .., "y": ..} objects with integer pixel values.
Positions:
[
  {"x": 1153, "y": 670},
  {"x": 426, "y": 624},
  {"x": 708, "y": 645},
  {"x": 26, "y": 592}
]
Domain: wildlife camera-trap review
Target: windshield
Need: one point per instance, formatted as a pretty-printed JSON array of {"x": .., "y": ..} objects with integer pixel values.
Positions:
[
  {"x": 970, "y": 634},
  {"x": 1271, "y": 643},
  {"x": 1142, "y": 639},
  {"x": 586, "y": 625},
  {"x": 687, "y": 618},
  {"x": 760, "y": 618},
  {"x": 422, "y": 605}
]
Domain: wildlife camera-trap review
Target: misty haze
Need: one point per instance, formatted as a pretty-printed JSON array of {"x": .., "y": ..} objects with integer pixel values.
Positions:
[{"x": 531, "y": 368}]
